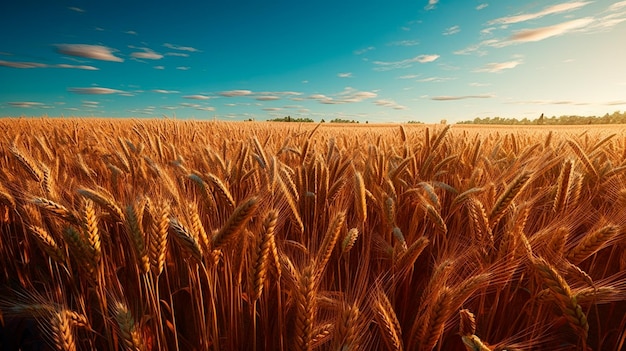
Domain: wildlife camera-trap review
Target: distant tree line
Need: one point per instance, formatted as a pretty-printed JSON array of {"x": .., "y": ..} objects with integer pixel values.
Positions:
[
  {"x": 614, "y": 118},
  {"x": 290, "y": 119}
]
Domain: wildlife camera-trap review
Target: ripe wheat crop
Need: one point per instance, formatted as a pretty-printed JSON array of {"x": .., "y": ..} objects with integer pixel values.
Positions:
[{"x": 187, "y": 235}]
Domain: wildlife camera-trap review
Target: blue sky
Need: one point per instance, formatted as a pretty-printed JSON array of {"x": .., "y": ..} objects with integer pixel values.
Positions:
[{"x": 423, "y": 60}]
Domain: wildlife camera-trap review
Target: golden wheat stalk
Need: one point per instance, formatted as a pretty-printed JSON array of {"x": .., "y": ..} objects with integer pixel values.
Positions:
[
  {"x": 47, "y": 243},
  {"x": 235, "y": 223},
  {"x": 186, "y": 239},
  {"x": 507, "y": 197},
  {"x": 387, "y": 321},
  {"x": 359, "y": 197},
  {"x": 328, "y": 244},
  {"x": 27, "y": 163},
  {"x": 128, "y": 329},
  {"x": 105, "y": 201},
  {"x": 592, "y": 243},
  {"x": 134, "y": 215},
  {"x": 305, "y": 310},
  {"x": 262, "y": 253}
]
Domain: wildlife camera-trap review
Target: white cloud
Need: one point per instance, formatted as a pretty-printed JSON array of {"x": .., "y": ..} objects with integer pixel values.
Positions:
[
  {"x": 617, "y": 6},
  {"x": 95, "y": 52},
  {"x": 452, "y": 30},
  {"x": 481, "y": 6},
  {"x": 305, "y": 82},
  {"x": 345, "y": 75},
  {"x": 179, "y": 54},
  {"x": 431, "y": 4},
  {"x": 181, "y": 48},
  {"x": 495, "y": 67},
  {"x": 76, "y": 9},
  {"x": 147, "y": 54},
  {"x": 268, "y": 98},
  {"x": 197, "y": 97},
  {"x": 187, "y": 104},
  {"x": 537, "y": 34},
  {"x": 272, "y": 109},
  {"x": 206, "y": 108},
  {"x": 404, "y": 43},
  {"x": 435, "y": 79},
  {"x": 385, "y": 65},
  {"x": 93, "y": 103},
  {"x": 159, "y": 67},
  {"x": 348, "y": 95},
  {"x": 95, "y": 91},
  {"x": 362, "y": 51},
  {"x": 14, "y": 64},
  {"x": 409, "y": 76},
  {"x": 131, "y": 32},
  {"x": 568, "y": 6},
  {"x": 162, "y": 91},
  {"x": 390, "y": 103},
  {"x": 462, "y": 97},
  {"x": 479, "y": 84},
  {"x": 25, "y": 104},
  {"x": 233, "y": 93},
  {"x": 183, "y": 68}
]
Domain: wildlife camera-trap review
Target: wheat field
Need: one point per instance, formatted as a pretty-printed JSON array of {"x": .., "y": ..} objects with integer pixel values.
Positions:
[{"x": 188, "y": 235}]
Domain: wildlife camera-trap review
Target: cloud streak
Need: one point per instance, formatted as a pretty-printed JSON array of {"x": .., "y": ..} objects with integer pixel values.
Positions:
[
  {"x": 197, "y": 97},
  {"x": 461, "y": 97},
  {"x": 25, "y": 104},
  {"x": 95, "y": 52},
  {"x": 96, "y": 91},
  {"x": 14, "y": 64},
  {"x": 180, "y": 48},
  {"x": 348, "y": 95},
  {"x": 345, "y": 75},
  {"x": 235, "y": 93},
  {"x": 568, "y": 6},
  {"x": 537, "y": 34},
  {"x": 147, "y": 54},
  {"x": 390, "y": 103},
  {"x": 389, "y": 65},
  {"x": 496, "y": 67}
]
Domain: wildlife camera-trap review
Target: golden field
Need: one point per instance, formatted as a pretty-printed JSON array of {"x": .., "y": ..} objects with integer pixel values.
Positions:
[{"x": 187, "y": 235}]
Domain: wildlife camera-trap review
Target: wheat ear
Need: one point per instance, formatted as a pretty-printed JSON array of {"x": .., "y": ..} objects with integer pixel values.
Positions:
[
  {"x": 591, "y": 243},
  {"x": 263, "y": 251},
  {"x": 235, "y": 223}
]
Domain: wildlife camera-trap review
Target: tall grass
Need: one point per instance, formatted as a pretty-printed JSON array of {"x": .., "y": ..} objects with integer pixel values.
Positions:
[{"x": 185, "y": 235}]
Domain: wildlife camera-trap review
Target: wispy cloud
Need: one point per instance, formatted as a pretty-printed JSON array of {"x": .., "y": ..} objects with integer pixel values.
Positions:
[
  {"x": 147, "y": 54},
  {"x": 345, "y": 75},
  {"x": 159, "y": 67},
  {"x": 267, "y": 98},
  {"x": 461, "y": 97},
  {"x": 348, "y": 95},
  {"x": 197, "y": 97},
  {"x": 183, "y": 68},
  {"x": 272, "y": 109},
  {"x": 481, "y": 6},
  {"x": 452, "y": 30},
  {"x": 479, "y": 84},
  {"x": 568, "y": 6},
  {"x": 431, "y": 4},
  {"x": 435, "y": 79},
  {"x": 25, "y": 104},
  {"x": 409, "y": 76},
  {"x": 234, "y": 93},
  {"x": 404, "y": 43},
  {"x": 205, "y": 108},
  {"x": 95, "y": 52},
  {"x": 391, "y": 104},
  {"x": 162, "y": 91},
  {"x": 14, "y": 64},
  {"x": 362, "y": 51},
  {"x": 131, "y": 32},
  {"x": 495, "y": 67},
  {"x": 76, "y": 9},
  {"x": 389, "y": 65},
  {"x": 537, "y": 34},
  {"x": 95, "y": 91},
  {"x": 179, "y": 54},
  {"x": 181, "y": 48}
]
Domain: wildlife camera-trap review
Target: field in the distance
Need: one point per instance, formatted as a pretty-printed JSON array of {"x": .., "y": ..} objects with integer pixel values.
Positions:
[{"x": 162, "y": 234}]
